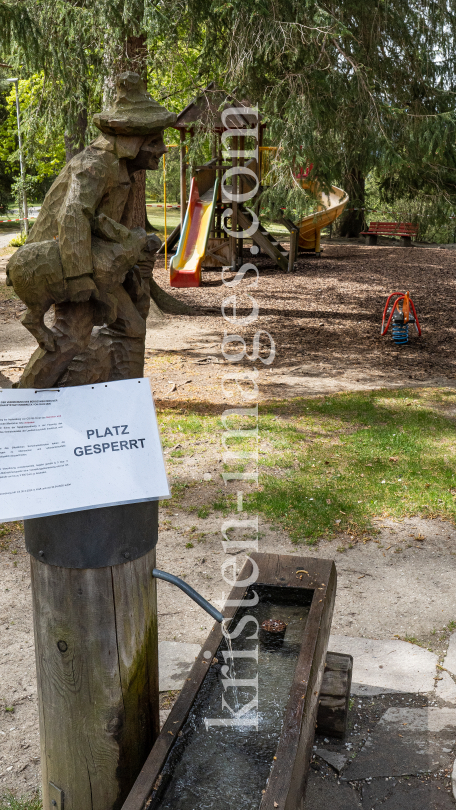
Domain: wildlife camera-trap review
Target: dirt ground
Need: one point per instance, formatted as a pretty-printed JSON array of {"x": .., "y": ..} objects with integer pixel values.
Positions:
[
  {"x": 325, "y": 317},
  {"x": 325, "y": 321}
]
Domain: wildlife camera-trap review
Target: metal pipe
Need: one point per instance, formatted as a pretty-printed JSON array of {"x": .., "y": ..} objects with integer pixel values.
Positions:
[
  {"x": 200, "y": 600},
  {"x": 21, "y": 156}
]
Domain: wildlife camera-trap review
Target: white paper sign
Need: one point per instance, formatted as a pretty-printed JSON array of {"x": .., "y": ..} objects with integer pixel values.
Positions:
[{"x": 78, "y": 448}]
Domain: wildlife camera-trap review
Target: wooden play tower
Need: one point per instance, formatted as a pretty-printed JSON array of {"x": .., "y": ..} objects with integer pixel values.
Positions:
[{"x": 205, "y": 113}]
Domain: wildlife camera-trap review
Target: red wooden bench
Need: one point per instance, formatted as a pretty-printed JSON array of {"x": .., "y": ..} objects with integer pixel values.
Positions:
[{"x": 406, "y": 230}]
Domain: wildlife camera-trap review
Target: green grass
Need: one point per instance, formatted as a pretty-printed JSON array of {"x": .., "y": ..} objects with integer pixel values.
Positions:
[
  {"x": 156, "y": 217},
  {"x": 9, "y": 802},
  {"x": 333, "y": 464}
]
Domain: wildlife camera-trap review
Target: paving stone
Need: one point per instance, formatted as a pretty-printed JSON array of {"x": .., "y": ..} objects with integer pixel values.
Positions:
[
  {"x": 450, "y": 658},
  {"x": 323, "y": 793},
  {"x": 380, "y": 667},
  {"x": 453, "y": 779},
  {"x": 413, "y": 794},
  {"x": 333, "y": 758},
  {"x": 446, "y": 688},
  {"x": 407, "y": 741},
  {"x": 175, "y": 660}
]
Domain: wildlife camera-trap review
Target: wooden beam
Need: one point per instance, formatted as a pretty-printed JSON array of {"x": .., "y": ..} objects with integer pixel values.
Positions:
[{"x": 287, "y": 781}]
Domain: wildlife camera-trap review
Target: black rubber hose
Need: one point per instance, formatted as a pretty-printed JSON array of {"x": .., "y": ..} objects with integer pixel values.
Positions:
[{"x": 200, "y": 600}]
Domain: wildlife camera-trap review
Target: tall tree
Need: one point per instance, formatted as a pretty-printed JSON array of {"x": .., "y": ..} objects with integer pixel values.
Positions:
[{"x": 345, "y": 86}]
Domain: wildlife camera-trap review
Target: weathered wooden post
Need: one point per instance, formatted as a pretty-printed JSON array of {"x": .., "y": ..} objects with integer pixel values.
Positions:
[
  {"x": 95, "y": 621},
  {"x": 233, "y": 241},
  {"x": 183, "y": 175},
  {"x": 94, "y": 596}
]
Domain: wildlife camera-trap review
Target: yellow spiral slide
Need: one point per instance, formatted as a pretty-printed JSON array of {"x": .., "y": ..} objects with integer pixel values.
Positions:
[{"x": 330, "y": 206}]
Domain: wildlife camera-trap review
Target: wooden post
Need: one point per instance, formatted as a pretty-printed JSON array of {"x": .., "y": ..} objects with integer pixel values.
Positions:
[
  {"x": 292, "y": 252},
  {"x": 219, "y": 231},
  {"x": 96, "y": 656},
  {"x": 183, "y": 176},
  {"x": 260, "y": 145},
  {"x": 234, "y": 205},
  {"x": 240, "y": 242}
]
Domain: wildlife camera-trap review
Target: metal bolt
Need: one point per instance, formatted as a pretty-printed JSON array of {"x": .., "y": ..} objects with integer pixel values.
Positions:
[
  {"x": 41, "y": 553},
  {"x": 126, "y": 554},
  {"x": 62, "y": 645}
]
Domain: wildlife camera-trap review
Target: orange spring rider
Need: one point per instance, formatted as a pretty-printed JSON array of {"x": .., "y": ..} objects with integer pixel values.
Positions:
[{"x": 400, "y": 312}]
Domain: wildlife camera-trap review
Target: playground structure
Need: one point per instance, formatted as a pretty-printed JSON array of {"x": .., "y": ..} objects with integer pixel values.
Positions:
[
  {"x": 399, "y": 314},
  {"x": 202, "y": 237},
  {"x": 185, "y": 266},
  {"x": 330, "y": 208}
]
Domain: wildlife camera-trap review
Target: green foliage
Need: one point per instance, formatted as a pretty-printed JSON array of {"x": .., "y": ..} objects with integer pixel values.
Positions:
[
  {"x": 432, "y": 209},
  {"x": 347, "y": 88},
  {"x": 355, "y": 88},
  {"x": 18, "y": 30},
  {"x": 154, "y": 180},
  {"x": 6, "y": 178},
  {"x": 44, "y": 150},
  {"x": 17, "y": 241}
]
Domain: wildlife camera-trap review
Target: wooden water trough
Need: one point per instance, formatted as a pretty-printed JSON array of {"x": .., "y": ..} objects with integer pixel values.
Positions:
[{"x": 297, "y": 587}]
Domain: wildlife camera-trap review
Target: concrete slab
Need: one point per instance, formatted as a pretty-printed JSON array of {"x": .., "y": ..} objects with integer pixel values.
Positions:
[
  {"x": 175, "y": 660},
  {"x": 405, "y": 742},
  {"x": 446, "y": 688},
  {"x": 409, "y": 795},
  {"x": 387, "y": 666},
  {"x": 323, "y": 793},
  {"x": 333, "y": 758},
  {"x": 450, "y": 658}
]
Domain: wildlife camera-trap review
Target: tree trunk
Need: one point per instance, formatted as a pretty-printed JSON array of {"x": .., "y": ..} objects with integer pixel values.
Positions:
[
  {"x": 139, "y": 201},
  {"x": 136, "y": 52},
  {"x": 136, "y": 60},
  {"x": 352, "y": 220},
  {"x": 75, "y": 140}
]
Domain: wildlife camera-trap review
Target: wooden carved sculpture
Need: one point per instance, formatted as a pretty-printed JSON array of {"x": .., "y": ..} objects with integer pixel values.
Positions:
[{"x": 83, "y": 257}]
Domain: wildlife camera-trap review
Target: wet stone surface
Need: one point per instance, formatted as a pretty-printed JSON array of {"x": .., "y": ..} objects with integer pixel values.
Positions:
[
  {"x": 378, "y": 746},
  {"x": 323, "y": 791},
  {"x": 407, "y": 741},
  {"x": 410, "y": 794}
]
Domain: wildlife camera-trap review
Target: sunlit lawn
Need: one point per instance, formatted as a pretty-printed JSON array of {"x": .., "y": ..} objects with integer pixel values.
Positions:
[{"x": 333, "y": 464}]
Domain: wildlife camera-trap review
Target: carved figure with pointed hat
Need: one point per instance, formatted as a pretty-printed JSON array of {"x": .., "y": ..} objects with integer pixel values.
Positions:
[{"x": 96, "y": 186}]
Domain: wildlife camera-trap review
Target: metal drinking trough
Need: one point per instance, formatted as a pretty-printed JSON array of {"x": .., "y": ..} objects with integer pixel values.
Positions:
[{"x": 312, "y": 583}]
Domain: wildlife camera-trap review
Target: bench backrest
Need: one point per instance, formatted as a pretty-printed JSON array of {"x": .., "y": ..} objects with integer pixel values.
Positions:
[{"x": 392, "y": 228}]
